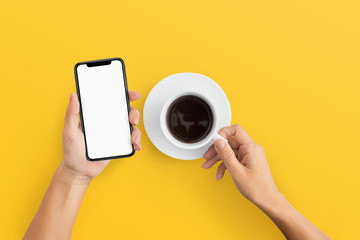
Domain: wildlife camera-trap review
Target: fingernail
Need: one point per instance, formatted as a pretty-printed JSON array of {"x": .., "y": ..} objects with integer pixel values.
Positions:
[
  {"x": 137, "y": 141},
  {"x": 220, "y": 144},
  {"x": 71, "y": 96},
  {"x": 136, "y": 121},
  {"x": 217, "y": 177},
  {"x": 204, "y": 165}
]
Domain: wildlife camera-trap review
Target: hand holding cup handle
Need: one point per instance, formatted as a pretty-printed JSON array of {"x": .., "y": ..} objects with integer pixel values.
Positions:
[{"x": 246, "y": 162}]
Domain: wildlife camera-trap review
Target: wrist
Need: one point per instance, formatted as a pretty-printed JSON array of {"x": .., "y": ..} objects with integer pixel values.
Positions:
[
  {"x": 274, "y": 204},
  {"x": 68, "y": 177}
]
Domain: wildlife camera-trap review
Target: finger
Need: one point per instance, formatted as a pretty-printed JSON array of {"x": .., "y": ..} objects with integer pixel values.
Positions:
[
  {"x": 135, "y": 138},
  {"x": 72, "y": 114},
  {"x": 234, "y": 144},
  {"x": 238, "y": 132},
  {"x": 227, "y": 154},
  {"x": 134, "y": 95},
  {"x": 210, "y": 153},
  {"x": 211, "y": 162},
  {"x": 134, "y": 116},
  {"x": 220, "y": 171}
]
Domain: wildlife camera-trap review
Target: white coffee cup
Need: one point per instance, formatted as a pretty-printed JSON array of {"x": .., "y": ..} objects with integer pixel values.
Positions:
[{"x": 212, "y": 136}]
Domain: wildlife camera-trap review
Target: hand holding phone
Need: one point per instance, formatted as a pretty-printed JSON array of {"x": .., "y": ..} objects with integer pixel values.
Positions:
[{"x": 74, "y": 161}]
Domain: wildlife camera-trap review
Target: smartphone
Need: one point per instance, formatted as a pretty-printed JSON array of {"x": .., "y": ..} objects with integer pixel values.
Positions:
[{"x": 104, "y": 108}]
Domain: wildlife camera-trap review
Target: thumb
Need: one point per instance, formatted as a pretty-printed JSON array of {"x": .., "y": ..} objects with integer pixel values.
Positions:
[
  {"x": 72, "y": 113},
  {"x": 226, "y": 154}
]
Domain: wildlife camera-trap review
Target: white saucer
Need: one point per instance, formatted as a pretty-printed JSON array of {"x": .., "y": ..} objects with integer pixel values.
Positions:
[{"x": 174, "y": 85}]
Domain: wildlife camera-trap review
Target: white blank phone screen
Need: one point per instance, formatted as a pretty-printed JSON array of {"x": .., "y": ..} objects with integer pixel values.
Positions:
[{"x": 104, "y": 109}]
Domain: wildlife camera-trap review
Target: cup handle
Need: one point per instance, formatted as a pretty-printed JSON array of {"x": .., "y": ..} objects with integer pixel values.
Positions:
[{"x": 216, "y": 137}]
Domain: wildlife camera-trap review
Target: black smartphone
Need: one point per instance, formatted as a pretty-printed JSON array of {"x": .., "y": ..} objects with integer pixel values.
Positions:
[{"x": 104, "y": 108}]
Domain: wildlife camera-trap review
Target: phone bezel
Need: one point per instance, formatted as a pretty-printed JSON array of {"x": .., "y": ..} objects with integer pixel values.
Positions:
[{"x": 81, "y": 114}]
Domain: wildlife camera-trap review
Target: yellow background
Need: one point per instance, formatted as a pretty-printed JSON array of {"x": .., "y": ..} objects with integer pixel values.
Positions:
[{"x": 289, "y": 68}]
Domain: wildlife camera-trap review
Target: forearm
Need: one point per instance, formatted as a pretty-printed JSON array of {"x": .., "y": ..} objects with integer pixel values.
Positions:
[
  {"x": 291, "y": 223},
  {"x": 57, "y": 212}
]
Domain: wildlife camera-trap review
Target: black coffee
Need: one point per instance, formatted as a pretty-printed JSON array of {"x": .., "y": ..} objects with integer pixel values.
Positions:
[{"x": 189, "y": 119}]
